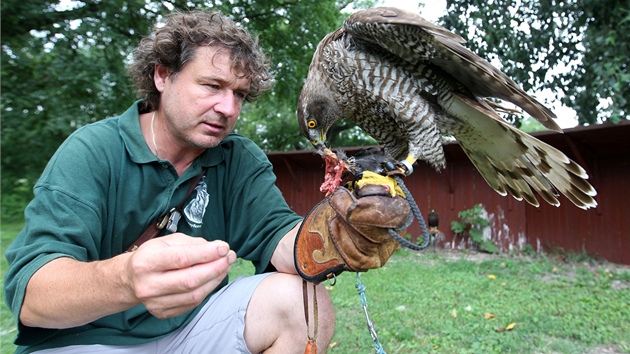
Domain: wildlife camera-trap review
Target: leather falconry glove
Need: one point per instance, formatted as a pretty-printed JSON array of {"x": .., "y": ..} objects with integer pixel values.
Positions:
[{"x": 348, "y": 230}]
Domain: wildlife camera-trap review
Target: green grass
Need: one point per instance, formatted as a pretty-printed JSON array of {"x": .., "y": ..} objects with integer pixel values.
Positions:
[
  {"x": 436, "y": 302},
  {"x": 7, "y": 327}
]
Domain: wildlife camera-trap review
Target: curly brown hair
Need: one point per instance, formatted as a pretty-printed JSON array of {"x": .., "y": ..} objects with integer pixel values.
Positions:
[{"x": 174, "y": 44}]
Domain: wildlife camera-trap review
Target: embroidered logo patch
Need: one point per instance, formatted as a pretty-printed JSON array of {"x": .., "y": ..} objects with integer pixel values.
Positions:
[{"x": 196, "y": 208}]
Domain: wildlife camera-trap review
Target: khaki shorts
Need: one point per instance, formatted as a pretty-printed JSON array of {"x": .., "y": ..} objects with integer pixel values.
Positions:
[{"x": 218, "y": 328}]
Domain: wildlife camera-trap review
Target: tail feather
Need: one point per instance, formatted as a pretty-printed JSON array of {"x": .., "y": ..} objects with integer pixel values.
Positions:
[
  {"x": 518, "y": 187},
  {"x": 512, "y": 183},
  {"x": 540, "y": 184},
  {"x": 566, "y": 175},
  {"x": 515, "y": 162}
]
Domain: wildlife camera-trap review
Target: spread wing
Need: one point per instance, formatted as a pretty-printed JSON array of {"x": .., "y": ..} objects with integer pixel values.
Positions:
[{"x": 416, "y": 40}]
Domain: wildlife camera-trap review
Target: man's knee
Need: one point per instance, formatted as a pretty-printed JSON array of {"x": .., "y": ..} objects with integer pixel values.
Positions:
[
  {"x": 284, "y": 294},
  {"x": 275, "y": 315}
]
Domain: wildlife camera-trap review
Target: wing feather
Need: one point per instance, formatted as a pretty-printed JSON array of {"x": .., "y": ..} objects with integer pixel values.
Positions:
[{"x": 414, "y": 39}]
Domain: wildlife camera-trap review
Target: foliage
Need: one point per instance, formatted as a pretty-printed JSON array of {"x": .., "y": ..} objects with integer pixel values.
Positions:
[
  {"x": 472, "y": 222},
  {"x": 577, "y": 49},
  {"x": 529, "y": 125},
  {"x": 13, "y": 203},
  {"x": 60, "y": 70}
]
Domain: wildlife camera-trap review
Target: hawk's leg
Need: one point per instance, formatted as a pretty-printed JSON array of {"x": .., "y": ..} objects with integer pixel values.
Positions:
[{"x": 408, "y": 164}]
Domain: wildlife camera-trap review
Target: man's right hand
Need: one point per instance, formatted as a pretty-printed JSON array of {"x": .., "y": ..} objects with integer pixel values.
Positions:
[
  {"x": 173, "y": 274},
  {"x": 169, "y": 275}
]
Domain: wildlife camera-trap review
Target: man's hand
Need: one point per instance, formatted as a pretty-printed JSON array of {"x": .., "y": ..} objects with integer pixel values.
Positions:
[
  {"x": 169, "y": 275},
  {"x": 350, "y": 231},
  {"x": 173, "y": 274}
]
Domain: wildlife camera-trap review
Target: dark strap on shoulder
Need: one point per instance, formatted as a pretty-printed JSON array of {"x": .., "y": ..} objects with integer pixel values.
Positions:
[{"x": 156, "y": 226}]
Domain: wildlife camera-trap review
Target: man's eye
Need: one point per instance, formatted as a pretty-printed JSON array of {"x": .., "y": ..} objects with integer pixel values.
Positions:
[{"x": 240, "y": 95}]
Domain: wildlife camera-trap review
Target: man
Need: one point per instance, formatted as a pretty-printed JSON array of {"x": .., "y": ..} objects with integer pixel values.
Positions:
[{"x": 71, "y": 284}]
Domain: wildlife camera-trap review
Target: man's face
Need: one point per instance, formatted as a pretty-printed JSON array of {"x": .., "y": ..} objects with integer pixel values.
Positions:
[{"x": 202, "y": 102}]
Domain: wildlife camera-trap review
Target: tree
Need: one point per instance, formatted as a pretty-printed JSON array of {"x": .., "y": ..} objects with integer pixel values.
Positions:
[
  {"x": 576, "y": 48},
  {"x": 61, "y": 69}
]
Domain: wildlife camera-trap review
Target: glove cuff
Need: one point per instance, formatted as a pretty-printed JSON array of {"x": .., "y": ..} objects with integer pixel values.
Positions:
[{"x": 316, "y": 258}]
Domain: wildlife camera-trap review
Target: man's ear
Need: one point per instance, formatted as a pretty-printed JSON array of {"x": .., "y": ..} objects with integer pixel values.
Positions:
[{"x": 160, "y": 75}]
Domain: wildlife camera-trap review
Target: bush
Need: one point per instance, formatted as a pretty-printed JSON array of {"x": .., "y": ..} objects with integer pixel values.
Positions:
[
  {"x": 472, "y": 222},
  {"x": 14, "y": 202}
]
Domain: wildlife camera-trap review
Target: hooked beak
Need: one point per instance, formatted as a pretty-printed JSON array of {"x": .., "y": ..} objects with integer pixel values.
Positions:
[
  {"x": 322, "y": 148},
  {"x": 320, "y": 144}
]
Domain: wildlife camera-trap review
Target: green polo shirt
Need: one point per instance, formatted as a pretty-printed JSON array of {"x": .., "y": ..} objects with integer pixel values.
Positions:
[{"x": 104, "y": 186}]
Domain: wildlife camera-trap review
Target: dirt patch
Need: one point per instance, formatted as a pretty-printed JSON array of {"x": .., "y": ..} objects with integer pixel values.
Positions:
[
  {"x": 473, "y": 256},
  {"x": 606, "y": 349}
]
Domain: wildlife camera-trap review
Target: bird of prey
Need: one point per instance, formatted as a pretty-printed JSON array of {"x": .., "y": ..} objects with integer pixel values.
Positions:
[
  {"x": 407, "y": 82},
  {"x": 433, "y": 220}
]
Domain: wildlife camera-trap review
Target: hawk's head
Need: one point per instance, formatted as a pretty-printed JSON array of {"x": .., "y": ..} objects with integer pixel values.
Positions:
[{"x": 316, "y": 116}]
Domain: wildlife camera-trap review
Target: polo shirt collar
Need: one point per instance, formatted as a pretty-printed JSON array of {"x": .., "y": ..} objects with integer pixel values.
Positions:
[{"x": 137, "y": 148}]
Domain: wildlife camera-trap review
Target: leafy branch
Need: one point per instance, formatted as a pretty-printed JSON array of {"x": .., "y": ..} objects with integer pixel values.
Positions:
[{"x": 472, "y": 222}]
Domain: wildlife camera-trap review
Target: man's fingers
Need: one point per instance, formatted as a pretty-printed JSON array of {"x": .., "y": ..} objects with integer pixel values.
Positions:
[
  {"x": 175, "y": 304},
  {"x": 173, "y": 274},
  {"x": 191, "y": 278},
  {"x": 184, "y": 256},
  {"x": 181, "y": 239},
  {"x": 174, "y": 253},
  {"x": 179, "y": 265}
]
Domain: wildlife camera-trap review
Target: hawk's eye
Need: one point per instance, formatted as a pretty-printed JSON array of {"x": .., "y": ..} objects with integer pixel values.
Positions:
[{"x": 312, "y": 124}]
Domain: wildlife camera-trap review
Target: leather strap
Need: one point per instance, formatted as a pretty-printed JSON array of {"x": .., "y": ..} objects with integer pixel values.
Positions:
[
  {"x": 156, "y": 226},
  {"x": 311, "y": 345}
]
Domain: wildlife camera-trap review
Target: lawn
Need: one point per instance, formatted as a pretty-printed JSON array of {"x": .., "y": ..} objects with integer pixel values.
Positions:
[
  {"x": 7, "y": 326},
  {"x": 464, "y": 302},
  {"x": 451, "y": 302}
]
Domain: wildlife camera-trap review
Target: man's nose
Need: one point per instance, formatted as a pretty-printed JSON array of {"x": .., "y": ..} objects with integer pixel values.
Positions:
[{"x": 228, "y": 104}]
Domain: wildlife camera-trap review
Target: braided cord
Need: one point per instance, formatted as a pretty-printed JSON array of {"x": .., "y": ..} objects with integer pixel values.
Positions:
[
  {"x": 361, "y": 290},
  {"x": 415, "y": 211}
]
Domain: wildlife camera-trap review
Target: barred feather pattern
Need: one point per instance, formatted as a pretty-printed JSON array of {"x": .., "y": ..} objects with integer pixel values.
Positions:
[
  {"x": 383, "y": 100},
  {"x": 407, "y": 82}
]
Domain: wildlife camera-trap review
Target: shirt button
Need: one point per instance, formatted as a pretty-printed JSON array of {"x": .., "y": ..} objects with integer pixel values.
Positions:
[{"x": 165, "y": 166}]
